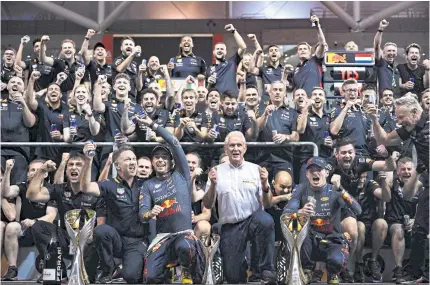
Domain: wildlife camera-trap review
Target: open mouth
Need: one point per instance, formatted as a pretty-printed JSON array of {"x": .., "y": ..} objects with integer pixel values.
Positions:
[
  {"x": 80, "y": 97},
  {"x": 121, "y": 88},
  {"x": 129, "y": 49},
  {"x": 315, "y": 179},
  {"x": 14, "y": 88},
  {"x": 74, "y": 174},
  {"x": 132, "y": 168},
  {"x": 220, "y": 54},
  {"x": 235, "y": 154},
  {"x": 414, "y": 59},
  {"x": 68, "y": 52}
]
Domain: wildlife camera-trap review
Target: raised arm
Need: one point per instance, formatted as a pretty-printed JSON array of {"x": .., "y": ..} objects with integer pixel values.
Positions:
[
  {"x": 59, "y": 174},
  {"x": 336, "y": 124},
  {"x": 238, "y": 38},
  {"x": 18, "y": 57},
  {"x": 127, "y": 125},
  {"x": 98, "y": 104},
  {"x": 29, "y": 93},
  {"x": 92, "y": 122},
  {"x": 253, "y": 131},
  {"x": 105, "y": 172},
  {"x": 87, "y": 186},
  {"x": 378, "y": 39},
  {"x": 253, "y": 67},
  {"x": 84, "y": 47},
  {"x": 381, "y": 137},
  {"x": 7, "y": 190},
  {"x": 350, "y": 202},
  {"x": 388, "y": 165},
  {"x": 210, "y": 196},
  {"x": 319, "y": 53},
  {"x": 42, "y": 53},
  {"x": 302, "y": 119},
  {"x": 121, "y": 67},
  {"x": 28, "y": 118},
  {"x": 36, "y": 192}
]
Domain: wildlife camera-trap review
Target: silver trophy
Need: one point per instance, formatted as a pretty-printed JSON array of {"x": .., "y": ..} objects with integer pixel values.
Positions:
[
  {"x": 79, "y": 225},
  {"x": 209, "y": 251},
  {"x": 295, "y": 230}
]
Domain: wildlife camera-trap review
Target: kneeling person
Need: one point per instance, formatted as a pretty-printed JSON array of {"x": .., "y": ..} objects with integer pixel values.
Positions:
[
  {"x": 242, "y": 189},
  {"x": 324, "y": 218},
  {"x": 168, "y": 198}
]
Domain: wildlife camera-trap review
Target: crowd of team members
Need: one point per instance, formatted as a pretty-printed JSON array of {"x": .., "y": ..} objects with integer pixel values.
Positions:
[{"x": 78, "y": 97}]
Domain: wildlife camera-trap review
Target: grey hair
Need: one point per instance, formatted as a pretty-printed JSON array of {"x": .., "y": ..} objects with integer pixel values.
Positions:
[
  {"x": 234, "y": 134},
  {"x": 410, "y": 102},
  {"x": 276, "y": 82}
]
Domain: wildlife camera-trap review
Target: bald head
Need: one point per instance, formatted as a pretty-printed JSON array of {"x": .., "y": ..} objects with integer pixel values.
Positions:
[{"x": 283, "y": 183}]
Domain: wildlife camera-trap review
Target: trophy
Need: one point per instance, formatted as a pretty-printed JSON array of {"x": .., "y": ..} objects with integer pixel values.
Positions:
[
  {"x": 295, "y": 230},
  {"x": 79, "y": 225},
  {"x": 209, "y": 252}
]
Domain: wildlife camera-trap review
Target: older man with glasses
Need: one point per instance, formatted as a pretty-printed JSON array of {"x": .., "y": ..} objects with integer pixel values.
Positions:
[{"x": 349, "y": 121}]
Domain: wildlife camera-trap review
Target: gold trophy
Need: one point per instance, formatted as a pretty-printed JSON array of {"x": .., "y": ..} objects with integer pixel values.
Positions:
[
  {"x": 79, "y": 225},
  {"x": 209, "y": 252},
  {"x": 295, "y": 230}
]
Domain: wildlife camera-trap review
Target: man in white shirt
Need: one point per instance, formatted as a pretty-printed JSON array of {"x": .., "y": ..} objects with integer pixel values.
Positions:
[{"x": 242, "y": 189}]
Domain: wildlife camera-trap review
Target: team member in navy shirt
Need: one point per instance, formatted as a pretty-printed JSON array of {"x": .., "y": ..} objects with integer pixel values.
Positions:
[
  {"x": 313, "y": 125},
  {"x": 123, "y": 236},
  {"x": 222, "y": 74},
  {"x": 16, "y": 120},
  {"x": 53, "y": 123},
  {"x": 350, "y": 121},
  {"x": 168, "y": 198},
  {"x": 186, "y": 63},
  {"x": 68, "y": 196},
  {"x": 308, "y": 73},
  {"x": 125, "y": 63}
]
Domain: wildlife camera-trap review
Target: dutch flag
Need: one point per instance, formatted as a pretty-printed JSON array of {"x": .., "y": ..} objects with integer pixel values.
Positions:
[{"x": 363, "y": 58}]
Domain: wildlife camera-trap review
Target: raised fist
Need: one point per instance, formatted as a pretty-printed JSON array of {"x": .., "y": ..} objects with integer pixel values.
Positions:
[
  {"x": 229, "y": 28},
  {"x": 90, "y": 33},
  {"x": 44, "y": 39},
  {"x": 383, "y": 24}
]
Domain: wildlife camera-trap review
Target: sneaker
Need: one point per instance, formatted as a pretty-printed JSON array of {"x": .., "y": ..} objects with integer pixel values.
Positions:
[
  {"x": 217, "y": 269},
  {"x": 11, "y": 274},
  {"x": 169, "y": 275},
  {"x": 375, "y": 268},
  {"x": 359, "y": 276},
  {"x": 332, "y": 279},
  {"x": 308, "y": 274},
  {"x": 186, "y": 276},
  {"x": 105, "y": 278},
  {"x": 64, "y": 279},
  {"x": 398, "y": 275},
  {"x": 346, "y": 276},
  {"x": 254, "y": 278},
  {"x": 409, "y": 279},
  {"x": 317, "y": 276},
  {"x": 268, "y": 277},
  {"x": 117, "y": 275}
]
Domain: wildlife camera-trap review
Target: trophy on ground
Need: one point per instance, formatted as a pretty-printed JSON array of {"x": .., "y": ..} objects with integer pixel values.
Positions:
[
  {"x": 79, "y": 225},
  {"x": 295, "y": 230},
  {"x": 209, "y": 252}
]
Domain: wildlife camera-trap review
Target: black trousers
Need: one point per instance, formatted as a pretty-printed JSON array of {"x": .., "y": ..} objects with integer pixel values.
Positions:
[
  {"x": 43, "y": 232},
  {"x": 111, "y": 247}
]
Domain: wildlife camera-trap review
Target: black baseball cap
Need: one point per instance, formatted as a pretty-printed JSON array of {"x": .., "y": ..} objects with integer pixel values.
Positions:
[
  {"x": 318, "y": 161},
  {"x": 99, "y": 44},
  {"x": 163, "y": 147}
]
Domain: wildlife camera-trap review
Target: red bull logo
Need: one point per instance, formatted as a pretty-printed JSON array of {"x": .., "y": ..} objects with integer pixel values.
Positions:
[
  {"x": 320, "y": 222},
  {"x": 169, "y": 208},
  {"x": 333, "y": 58},
  {"x": 168, "y": 203}
]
